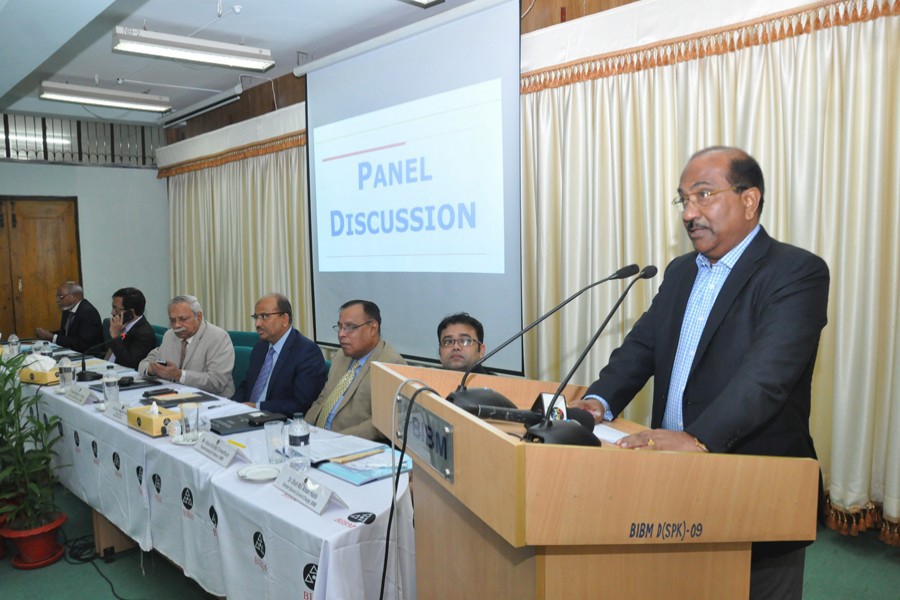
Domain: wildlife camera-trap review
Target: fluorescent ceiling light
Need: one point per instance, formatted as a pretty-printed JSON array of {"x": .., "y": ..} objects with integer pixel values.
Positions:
[
  {"x": 150, "y": 43},
  {"x": 95, "y": 96},
  {"x": 36, "y": 139}
]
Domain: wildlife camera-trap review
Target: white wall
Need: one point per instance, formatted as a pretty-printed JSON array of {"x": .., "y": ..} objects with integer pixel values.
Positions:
[{"x": 123, "y": 226}]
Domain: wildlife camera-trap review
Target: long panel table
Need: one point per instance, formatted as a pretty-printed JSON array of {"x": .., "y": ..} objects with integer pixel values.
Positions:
[{"x": 236, "y": 538}]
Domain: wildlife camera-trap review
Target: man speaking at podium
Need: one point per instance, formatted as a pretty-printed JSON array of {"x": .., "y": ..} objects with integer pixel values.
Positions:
[{"x": 730, "y": 339}]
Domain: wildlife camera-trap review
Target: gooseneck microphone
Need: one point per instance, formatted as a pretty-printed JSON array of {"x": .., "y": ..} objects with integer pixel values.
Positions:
[
  {"x": 566, "y": 432},
  {"x": 528, "y": 417},
  {"x": 513, "y": 415},
  {"x": 463, "y": 397},
  {"x": 84, "y": 374}
]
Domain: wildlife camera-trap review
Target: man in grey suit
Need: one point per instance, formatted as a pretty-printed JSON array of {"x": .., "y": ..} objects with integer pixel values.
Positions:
[
  {"x": 193, "y": 352},
  {"x": 730, "y": 340}
]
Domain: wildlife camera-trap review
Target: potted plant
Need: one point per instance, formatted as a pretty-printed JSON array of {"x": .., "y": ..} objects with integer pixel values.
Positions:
[{"x": 27, "y": 477}]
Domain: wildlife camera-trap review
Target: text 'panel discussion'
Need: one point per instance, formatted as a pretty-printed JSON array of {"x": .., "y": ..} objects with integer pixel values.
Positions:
[{"x": 438, "y": 299}]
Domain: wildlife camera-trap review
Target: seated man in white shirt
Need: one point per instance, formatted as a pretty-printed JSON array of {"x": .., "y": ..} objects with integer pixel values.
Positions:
[{"x": 193, "y": 352}]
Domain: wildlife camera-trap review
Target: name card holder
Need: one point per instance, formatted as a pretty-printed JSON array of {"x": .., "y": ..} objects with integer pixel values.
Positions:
[
  {"x": 117, "y": 412},
  {"x": 308, "y": 492},
  {"x": 79, "y": 394},
  {"x": 216, "y": 449}
]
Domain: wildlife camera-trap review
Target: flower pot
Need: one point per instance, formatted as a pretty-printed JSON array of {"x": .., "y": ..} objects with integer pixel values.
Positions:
[{"x": 36, "y": 547}]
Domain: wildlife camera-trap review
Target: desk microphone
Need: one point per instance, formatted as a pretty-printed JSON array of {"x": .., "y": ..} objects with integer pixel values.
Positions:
[
  {"x": 567, "y": 432},
  {"x": 528, "y": 417},
  {"x": 84, "y": 374},
  {"x": 463, "y": 397}
]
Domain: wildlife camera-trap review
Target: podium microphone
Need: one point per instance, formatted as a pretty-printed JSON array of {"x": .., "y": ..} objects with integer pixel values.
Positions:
[
  {"x": 568, "y": 432},
  {"x": 463, "y": 397}
]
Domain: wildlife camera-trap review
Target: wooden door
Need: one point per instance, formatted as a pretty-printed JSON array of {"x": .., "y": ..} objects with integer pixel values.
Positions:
[{"x": 41, "y": 237}]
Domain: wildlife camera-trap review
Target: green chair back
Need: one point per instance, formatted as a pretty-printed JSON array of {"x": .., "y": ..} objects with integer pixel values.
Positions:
[
  {"x": 160, "y": 331},
  {"x": 241, "y": 364},
  {"x": 243, "y": 338}
]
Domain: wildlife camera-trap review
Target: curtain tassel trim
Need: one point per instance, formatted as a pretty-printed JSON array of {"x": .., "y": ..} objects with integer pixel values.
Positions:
[
  {"x": 773, "y": 28},
  {"x": 854, "y": 521},
  {"x": 271, "y": 146}
]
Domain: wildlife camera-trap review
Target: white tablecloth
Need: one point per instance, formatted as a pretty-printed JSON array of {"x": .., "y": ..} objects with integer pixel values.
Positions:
[{"x": 237, "y": 538}]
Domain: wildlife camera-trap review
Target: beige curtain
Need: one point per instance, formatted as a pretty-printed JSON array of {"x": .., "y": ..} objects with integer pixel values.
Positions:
[
  {"x": 239, "y": 229},
  {"x": 814, "y": 96}
]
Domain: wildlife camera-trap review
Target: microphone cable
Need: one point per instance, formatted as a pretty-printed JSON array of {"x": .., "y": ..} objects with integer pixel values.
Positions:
[{"x": 396, "y": 469}]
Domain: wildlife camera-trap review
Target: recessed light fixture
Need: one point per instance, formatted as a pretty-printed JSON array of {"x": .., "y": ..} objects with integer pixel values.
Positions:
[
  {"x": 97, "y": 96},
  {"x": 129, "y": 40}
]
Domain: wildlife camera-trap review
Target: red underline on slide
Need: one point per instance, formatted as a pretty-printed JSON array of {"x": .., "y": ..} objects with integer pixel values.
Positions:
[{"x": 367, "y": 150}]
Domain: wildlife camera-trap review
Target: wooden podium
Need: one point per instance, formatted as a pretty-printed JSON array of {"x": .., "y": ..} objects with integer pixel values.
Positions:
[{"x": 510, "y": 519}]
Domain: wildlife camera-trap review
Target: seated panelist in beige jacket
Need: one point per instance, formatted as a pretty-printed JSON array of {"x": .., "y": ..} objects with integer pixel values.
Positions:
[{"x": 345, "y": 403}]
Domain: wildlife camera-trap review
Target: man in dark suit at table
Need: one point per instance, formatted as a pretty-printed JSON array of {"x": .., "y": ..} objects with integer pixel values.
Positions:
[
  {"x": 345, "y": 404},
  {"x": 80, "y": 327},
  {"x": 731, "y": 341},
  {"x": 287, "y": 370},
  {"x": 131, "y": 336}
]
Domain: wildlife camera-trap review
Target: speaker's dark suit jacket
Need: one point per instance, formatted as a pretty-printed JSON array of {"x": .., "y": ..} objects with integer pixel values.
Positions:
[
  {"x": 136, "y": 344},
  {"x": 748, "y": 390},
  {"x": 85, "y": 330},
  {"x": 297, "y": 377}
]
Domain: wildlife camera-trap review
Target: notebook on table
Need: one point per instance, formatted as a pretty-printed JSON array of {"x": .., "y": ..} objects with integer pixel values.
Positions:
[{"x": 243, "y": 422}]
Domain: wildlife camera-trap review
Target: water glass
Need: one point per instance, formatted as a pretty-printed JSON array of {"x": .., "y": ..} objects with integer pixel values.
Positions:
[
  {"x": 190, "y": 421},
  {"x": 66, "y": 376},
  {"x": 275, "y": 441}
]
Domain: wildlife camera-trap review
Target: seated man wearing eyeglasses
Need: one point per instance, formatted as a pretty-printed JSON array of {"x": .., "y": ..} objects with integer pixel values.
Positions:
[
  {"x": 345, "y": 404},
  {"x": 287, "y": 369},
  {"x": 193, "y": 352},
  {"x": 461, "y": 342},
  {"x": 80, "y": 327}
]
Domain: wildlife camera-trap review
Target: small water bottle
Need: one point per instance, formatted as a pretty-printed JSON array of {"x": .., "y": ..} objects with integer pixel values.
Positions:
[
  {"x": 13, "y": 345},
  {"x": 66, "y": 373},
  {"x": 111, "y": 385},
  {"x": 298, "y": 438}
]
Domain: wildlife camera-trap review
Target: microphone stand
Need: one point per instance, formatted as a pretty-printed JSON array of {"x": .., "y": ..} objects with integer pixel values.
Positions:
[
  {"x": 464, "y": 397},
  {"x": 568, "y": 432},
  {"x": 84, "y": 374}
]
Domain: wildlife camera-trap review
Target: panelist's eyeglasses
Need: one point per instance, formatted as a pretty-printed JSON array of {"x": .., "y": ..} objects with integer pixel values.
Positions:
[
  {"x": 264, "y": 316},
  {"x": 350, "y": 328},
  {"x": 463, "y": 342}
]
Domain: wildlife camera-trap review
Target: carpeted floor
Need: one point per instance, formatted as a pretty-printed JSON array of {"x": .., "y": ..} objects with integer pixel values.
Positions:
[{"x": 837, "y": 567}]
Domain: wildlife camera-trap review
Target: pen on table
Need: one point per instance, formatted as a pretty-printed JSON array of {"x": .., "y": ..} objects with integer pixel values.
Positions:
[
  {"x": 351, "y": 457},
  {"x": 238, "y": 444},
  {"x": 214, "y": 406}
]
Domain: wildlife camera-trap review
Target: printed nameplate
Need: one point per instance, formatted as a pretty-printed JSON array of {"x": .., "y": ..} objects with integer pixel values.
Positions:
[
  {"x": 78, "y": 394},
  {"x": 216, "y": 449},
  {"x": 430, "y": 437},
  {"x": 308, "y": 492},
  {"x": 117, "y": 412}
]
